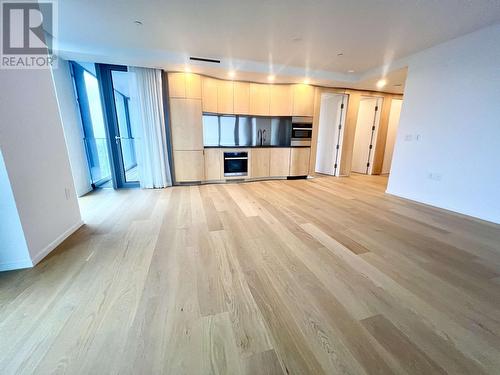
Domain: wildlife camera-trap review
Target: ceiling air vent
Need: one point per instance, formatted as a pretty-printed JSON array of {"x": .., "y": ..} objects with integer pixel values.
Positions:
[{"x": 193, "y": 58}]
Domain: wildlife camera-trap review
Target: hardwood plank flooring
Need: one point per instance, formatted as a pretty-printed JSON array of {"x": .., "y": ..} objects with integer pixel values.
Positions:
[{"x": 321, "y": 276}]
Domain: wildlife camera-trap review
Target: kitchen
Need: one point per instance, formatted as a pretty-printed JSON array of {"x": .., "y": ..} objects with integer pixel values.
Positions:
[{"x": 224, "y": 130}]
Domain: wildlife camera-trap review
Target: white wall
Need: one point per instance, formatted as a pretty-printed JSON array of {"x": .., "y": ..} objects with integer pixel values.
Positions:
[
  {"x": 36, "y": 159},
  {"x": 73, "y": 132},
  {"x": 447, "y": 151},
  {"x": 392, "y": 131},
  {"x": 13, "y": 250}
]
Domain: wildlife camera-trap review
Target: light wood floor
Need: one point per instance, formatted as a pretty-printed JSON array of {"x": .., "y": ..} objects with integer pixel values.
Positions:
[{"x": 327, "y": 276}]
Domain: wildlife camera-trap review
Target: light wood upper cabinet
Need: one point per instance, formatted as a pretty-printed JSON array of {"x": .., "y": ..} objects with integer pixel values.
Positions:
[
  {"x": 279, "y": 162},
  {"x": 260, "y": 162},
  {"x": 209, "y": 94},
  {"x": 225, "y": 97},
  {"x": 281, "y": 100},
  {"x": 186, "y": 124},
  {"x": 184, "y": 85},
  {"x": 176, "y": 85},
  {"x": 303, "y": 100},
  {"x": 260, "y": 96},
  {"x": 193, "y": 86},
  {"x": 189, "y": 166},
  {"x": 299, "y": 161},
  {"x": 241, "y": 98},
  {"x": 213, "y": 164}
]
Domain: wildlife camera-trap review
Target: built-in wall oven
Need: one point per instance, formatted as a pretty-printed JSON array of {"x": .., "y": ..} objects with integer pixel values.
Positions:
[
  {"x": 235, "y": 164},
  {"x": 301, "y": 131}
]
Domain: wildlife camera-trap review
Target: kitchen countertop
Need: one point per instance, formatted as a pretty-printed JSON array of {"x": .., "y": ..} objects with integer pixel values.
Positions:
[{"x": 256, "y": 146}]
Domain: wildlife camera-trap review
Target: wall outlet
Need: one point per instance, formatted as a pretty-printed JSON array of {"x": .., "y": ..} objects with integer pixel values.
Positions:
[
  {"x": 434, "y": 176},
  {"x": 418, "y": 137},
  {"x": 408, "y": 137}
]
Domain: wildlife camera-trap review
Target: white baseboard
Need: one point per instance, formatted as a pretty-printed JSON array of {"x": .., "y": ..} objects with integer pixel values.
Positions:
[
  {"x": 453, "y": 210},
  {"x": 42, "y": 254},
  {"x": 9, "y": 266}
]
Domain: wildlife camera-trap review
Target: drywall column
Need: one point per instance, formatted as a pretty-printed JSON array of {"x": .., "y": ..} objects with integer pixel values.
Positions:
[
  {"x": 314, "y": 137},
  {"x": 36, "y": 160},
  {"x": 392, "y": 129},
  {"x": 14, "y": 252},
  {"x": 71, "y": 121}
]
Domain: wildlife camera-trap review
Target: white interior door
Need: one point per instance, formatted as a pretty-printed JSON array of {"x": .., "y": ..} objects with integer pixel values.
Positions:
[
  {"x": 392, "y": 129},
  {"x": 366, "y": 135},
  {"x": 331, "y": 116}
]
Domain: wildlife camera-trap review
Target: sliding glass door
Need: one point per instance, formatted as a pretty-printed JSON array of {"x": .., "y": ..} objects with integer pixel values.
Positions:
[
  {"x": 115, "y": 87},
  {"x": 124, "y": 138},
  {"x": 94, "y": 125},
  {"x": 104, "y": 97}
]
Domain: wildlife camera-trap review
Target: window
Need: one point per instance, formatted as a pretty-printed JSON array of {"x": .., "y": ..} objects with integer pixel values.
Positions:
[
  {"x": 228, "y": 133},
  {"x": 210, "y": 130}
]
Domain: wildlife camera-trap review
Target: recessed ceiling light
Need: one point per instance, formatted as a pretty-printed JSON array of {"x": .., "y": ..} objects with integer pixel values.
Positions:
[
  {"x": 271, "y": 77},
  {"x": 138, "y": 23},
  {"x": 381, "y": 83},
  {"x": 231, "y": 74},
  {"x": 350, "y": 71},
  {"x": 307, "y": 81}
]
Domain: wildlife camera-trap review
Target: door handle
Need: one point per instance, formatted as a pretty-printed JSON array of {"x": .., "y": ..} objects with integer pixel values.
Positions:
[{"x": 117, "y": 139}]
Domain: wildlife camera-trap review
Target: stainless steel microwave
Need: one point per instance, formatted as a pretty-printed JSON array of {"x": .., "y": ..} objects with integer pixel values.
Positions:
[{"x": 301, "y": 131}]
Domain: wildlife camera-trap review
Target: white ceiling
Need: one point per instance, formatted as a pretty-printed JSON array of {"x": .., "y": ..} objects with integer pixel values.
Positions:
[{"x": 289, "y": 38}]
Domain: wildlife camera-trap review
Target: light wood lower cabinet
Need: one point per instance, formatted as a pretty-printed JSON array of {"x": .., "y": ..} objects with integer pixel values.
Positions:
[
  {"x": 299, "y": 161},
  {"x": 263, "y": 162},
  {"x": 279, "y": 162},
  {"x": 189, "y": 166},
  {"x": 260, "y": 162},
  {"x": 213, "y": 164}
]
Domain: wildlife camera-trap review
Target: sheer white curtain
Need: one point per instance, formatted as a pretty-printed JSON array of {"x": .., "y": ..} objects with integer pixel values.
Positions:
[{"x": 147, "y": 103}]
